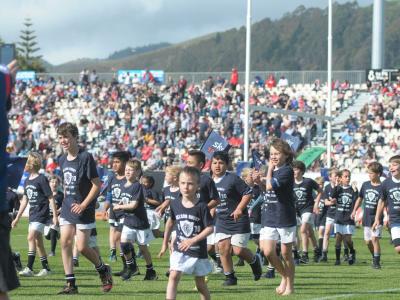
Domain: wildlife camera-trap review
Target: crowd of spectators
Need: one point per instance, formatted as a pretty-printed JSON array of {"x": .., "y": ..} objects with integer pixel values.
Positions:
[{"x": 159, "y": 124}]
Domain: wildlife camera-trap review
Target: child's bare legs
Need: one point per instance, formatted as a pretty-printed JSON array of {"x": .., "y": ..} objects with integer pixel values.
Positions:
[
  {"x": 146, "y": 254},
  {"x": 201, "y": 286},
  {"x": 288, "y": 264},
  {"x": 173, "y": 280},
  {"x": 269, "y": 249}
]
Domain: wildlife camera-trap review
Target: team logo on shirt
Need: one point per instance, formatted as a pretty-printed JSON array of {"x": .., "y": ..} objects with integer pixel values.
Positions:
[
  {"x": 396, "y": 195},
  {"x": 68, "y": 178},
  {"x": 370, "y": 196},
  {"x": 117, "y": 192},
  {"x": 345, "y": 200},
  {"x": 29, "y": 193},
  {"x": 299, "y": 194},
  {"x": 186, "y": 227},
  {"x": 124, "y": 200}
]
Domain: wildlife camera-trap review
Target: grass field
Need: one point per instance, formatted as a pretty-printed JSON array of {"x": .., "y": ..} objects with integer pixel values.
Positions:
[{"x": 313, "y": 281}]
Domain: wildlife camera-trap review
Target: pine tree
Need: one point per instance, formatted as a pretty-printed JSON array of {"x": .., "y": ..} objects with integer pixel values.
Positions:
[{"x": 27, "y": 48}]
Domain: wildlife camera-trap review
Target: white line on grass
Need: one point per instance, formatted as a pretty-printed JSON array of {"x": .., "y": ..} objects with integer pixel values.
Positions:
[{"x": 356, "y": 294}]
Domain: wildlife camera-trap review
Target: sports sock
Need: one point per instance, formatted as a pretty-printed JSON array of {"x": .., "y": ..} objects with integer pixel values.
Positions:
[{"x": 31, "y": 259}]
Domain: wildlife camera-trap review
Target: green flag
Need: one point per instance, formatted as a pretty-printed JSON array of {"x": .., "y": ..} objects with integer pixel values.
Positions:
[{"x": 309, "y": 155}]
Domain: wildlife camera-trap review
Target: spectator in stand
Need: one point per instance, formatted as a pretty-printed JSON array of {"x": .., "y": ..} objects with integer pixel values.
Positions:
[
  {"x": 234, "y": 79},
  {"x": 283, "y": 82},
  {"x": 182, "y": 83},
  {"x": 270, "y": 83}
]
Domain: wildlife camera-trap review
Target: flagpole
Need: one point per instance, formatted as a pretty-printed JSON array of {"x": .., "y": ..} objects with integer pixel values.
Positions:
[
  {"x": 247, "y": 83},
  {"x": 329, "y": 102}
]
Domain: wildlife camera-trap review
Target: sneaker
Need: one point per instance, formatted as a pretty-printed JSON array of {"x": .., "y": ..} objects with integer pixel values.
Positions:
[
  {"x": 218, "y": 269},
  {"x": 17, "y": 261},
  {"x": 352, "y": 259},
  {"x": 304, "y": 260},
  {"x": 129, "y": 273},
  {"x": 323, "y": 258},
  {"x": 167, "y": 273},
  {"x": 52, "y": 254},
  {"x": 69, "y": 290},
  {"x": 317, "y": 255},
  {"x": 270, "y": 273},
  {"x": 376, "y": 265},
  {"x": 76, "y": 263},
  {"x": 345, "y": 257},
  {"x": 43, "y": 272},
  {"x": 240, "y": 263},
  {"x": 230, "y": 281},
  {"x": 112, "y": 257},
  {"x": 256, "y": 268},
  {"x": 121, "y": 272},
  {"x": 337, "y": 262},
  {"x": 106, "y": 279},
  {"x": 26, "y": 272},
  {"x": 150, "y": 275}
]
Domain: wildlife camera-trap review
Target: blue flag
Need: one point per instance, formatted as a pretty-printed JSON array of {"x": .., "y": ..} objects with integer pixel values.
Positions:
[
  {"x": 257, "y": 161},
  {"x": 15, "y": 172},
  {"x": 242, "y": 165},
  {"x": 293, "y": 141},
  {"x": 104, "y": 175},
  {"x": 214, "y": 142}
]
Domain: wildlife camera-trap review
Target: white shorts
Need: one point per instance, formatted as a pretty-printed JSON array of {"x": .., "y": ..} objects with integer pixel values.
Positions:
[
  {"x": 154, "y": 219},
  {"x": 189, "y": 265},
  {"x": 52, "y": 226},
  {"x": 78, "y": 226},
  {"x": 307, "y": 218},
  {"x": 37, "y": 226},
  {"x": 344, "y": 229},
  {"x": 329, "y": 221},
  {"x": 255, "y": 228},
  {"x": 369, "y": 233},
  {"x": 116, "y": 223},
  {"x": 395, "y": 232},
  {"x": 239, "y": 239},
  {"x": 92, "y": 243},
  {"x": 141, "y": 237},
  {"x": 211, "y": 238},
  {"x": 285, "y": 234}
]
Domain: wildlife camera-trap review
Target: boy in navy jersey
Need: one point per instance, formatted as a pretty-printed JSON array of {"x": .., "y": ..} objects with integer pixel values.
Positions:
[
  {"x": 53, "y": 229},
  {"x": 331, "y": 211},
  {"x": 321, "y": 216},
  {"x": 344, "y": 196},
  {"x": 391, "y": 199},
  {"x": 233, "y": 224},
  {"x": 278, "y": 216},
  {"x": 306, "y": 206},
  {"x": 151, "y": 201},
  {"x": 113, "y": 196},
  {"x": 209, "y": 194},
  {"x": 193, "y": 223},
  {"x": 38, "y": 194},
  {"x": 371, "y": 193},
  {"x": 81, "y": 187},
  {"x": 136, "y": 226}
]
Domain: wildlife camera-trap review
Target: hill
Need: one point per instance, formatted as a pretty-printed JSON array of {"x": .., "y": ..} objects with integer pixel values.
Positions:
[{"x": 297, "y": 41}]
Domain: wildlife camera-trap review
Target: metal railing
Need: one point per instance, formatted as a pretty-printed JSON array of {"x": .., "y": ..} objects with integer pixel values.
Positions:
[{"x": 303, "y": 77}]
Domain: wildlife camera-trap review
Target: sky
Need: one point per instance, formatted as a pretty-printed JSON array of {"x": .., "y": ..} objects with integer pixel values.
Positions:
[{"x": 72, "y": 29}]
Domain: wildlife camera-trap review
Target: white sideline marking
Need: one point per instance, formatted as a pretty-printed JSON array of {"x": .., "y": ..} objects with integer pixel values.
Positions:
[{"x": 356, "y": 294}]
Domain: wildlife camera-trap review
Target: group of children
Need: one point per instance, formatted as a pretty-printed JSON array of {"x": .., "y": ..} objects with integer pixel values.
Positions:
[{"x": 205, "y": 216}]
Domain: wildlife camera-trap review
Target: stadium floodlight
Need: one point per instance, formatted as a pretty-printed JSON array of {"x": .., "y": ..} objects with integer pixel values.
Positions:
[
  {"x": 329, "y": 85},
  {"x": 247, "y": 83},
  {"x": 378, "y": 35}
]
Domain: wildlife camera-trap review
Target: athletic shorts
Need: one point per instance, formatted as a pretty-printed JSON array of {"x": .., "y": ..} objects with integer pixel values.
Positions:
[
  {"x": 238, "y": 239},
  {"x": 395, "y": 231},
  {"x": 8, "y": 276},
  {"x": 154, "y": 219},
  {"x": 92, "y": 243},
  {"x": 369, "y": 233},
  {"x": 285, "y": 234},
  {"x": 37, "y": 226},
  {"x": 329, "y": 221},
  {"x": 211, "y": 238},
  {"x": 189, "y": 265},
  {"x": 78, "y": 226},
  {"x": 344, "y": 229},
  {"x": 141, "y": 237},
  {"x": 307, "y": 218},
  {"x": 116, "y": 223},
  {"x": 255, "y": 228}
]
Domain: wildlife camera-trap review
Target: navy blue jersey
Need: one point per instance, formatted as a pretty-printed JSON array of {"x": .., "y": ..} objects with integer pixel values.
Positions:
[
  {"x": 58, "y": 199},
  {"x": 391, "y": 196},
  {"x": 208, "y": 190},
  {"x": 38, "y": 191},
  {"x": 255, "y": 216},
  {"x": 189, "y": 223},
  {"x": 345, "y": 200},
  {"x": 322, "y": 211},
  {"x": 231, "y": 189},
  {"x": 136, "y": 218},
  {"x": 327, "y": 193},
  {"x": 304, "y": 196},
  {"x": 77, "y": 175},
  {"x": 370, "y": 195},
  {"x": 114, "y": 189},
  {"x": 278, "y": 209},
  {"x": 151, "y": 194},
  {"x": 167, "y": 194}
]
